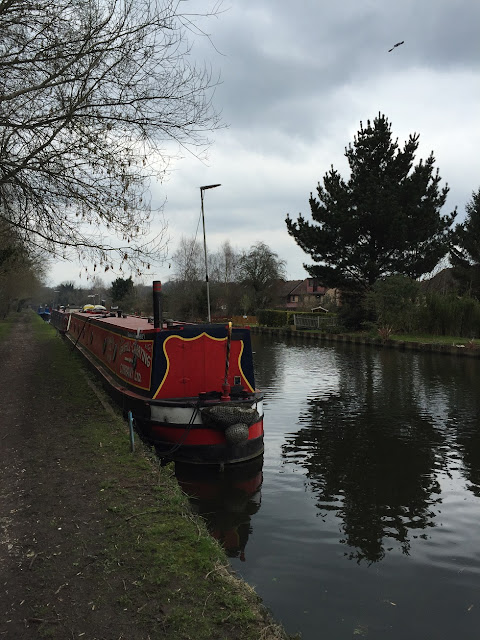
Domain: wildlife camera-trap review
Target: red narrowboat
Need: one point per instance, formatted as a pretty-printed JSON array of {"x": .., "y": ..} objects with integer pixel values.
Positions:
[{"x": 190, "y": 387}]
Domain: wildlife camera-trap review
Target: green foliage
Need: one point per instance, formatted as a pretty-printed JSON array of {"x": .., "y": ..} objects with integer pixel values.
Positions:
[
  {"x": 384, "y": 220},
  {"x": 465, "y": 252},
  {"x": 121, "y": 288},
  {"x": 274, "y": 318},
  {"x": 355, "y": 312},
  {"x": 449, "y": 315},
  {"x": 394, "y": 301}
]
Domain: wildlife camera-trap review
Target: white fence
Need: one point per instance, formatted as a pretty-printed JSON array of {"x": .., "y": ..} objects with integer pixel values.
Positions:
[{"x": 316, "y": 321}]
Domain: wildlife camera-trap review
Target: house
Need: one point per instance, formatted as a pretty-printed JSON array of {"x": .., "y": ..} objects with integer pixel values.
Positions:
[{"x": 302, "y": 295}]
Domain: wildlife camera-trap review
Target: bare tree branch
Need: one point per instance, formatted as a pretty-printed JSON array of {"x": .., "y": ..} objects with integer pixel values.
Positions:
[{"x": 91, "y": 94}]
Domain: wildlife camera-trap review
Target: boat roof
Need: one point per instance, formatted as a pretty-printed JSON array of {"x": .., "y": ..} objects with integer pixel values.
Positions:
[{"x": 139, "y": 323}]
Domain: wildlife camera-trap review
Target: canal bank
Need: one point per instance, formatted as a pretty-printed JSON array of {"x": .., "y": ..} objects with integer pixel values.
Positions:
[
  {"x": 467, "y": 349},
  {"x": 97, "y": 542}
]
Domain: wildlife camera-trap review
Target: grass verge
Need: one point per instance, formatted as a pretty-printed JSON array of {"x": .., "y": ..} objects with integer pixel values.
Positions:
[{"x": 6, "y": 327}]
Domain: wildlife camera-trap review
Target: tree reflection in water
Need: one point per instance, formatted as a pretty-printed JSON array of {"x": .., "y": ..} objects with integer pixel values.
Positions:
[{"x": 371, "y": 454}]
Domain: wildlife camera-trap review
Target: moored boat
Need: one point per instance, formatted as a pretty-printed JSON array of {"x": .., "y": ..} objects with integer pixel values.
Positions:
[
  {"x": 190, "y": 387},
  {"x": 44, "y": 313}
]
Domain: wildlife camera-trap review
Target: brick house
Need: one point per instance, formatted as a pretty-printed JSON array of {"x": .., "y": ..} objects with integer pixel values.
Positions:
[{"x": 304, "y": 295}]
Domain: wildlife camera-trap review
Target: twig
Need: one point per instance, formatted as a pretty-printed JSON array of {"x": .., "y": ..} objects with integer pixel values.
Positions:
[
  {"x": 33, "y": 559},
  {"x": 219, "y": 568},
  {"x": 65, "y": 584},
  {"x": 142, "y": 513},
  {"x": 205, "y": 604}
]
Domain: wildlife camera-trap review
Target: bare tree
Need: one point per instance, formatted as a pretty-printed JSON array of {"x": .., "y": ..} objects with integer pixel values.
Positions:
[
  {"x": 188, "y": 261},
  {"x": 260, "y": 270},
  {"x": 92, "y": 92},
  {"x": 223, "y": 265}
]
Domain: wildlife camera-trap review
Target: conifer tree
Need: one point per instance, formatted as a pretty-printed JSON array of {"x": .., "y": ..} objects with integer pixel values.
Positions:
[
  {"x": 384, "y": 220},
  {"x": 465, "y": 253}
]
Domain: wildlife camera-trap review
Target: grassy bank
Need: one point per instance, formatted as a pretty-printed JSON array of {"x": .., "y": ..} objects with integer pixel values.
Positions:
[
  {"x": 5, "y": 327},
  {"x": 374, "y": 338},
  {"x": 144, "y": 556}
]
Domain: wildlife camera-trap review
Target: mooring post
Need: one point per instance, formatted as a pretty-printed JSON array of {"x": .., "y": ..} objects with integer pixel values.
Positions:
[{"x": 132, "y": 436}]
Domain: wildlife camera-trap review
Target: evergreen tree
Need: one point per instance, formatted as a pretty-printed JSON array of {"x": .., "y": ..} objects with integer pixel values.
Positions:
[
  {"x": 121, "y": 288},
  {"x": 384, "y": 220},
  {"x": 465, "y": 252}
]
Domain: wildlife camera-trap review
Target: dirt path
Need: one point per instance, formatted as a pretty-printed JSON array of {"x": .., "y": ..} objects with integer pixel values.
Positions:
[{"x": 46, "y": 511}]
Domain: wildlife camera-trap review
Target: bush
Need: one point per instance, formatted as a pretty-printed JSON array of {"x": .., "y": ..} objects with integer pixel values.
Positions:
[
  {"x": 274, "y": 318},
  {"x": 394, "y": 301},
  {"x": 449, "y": 315}
]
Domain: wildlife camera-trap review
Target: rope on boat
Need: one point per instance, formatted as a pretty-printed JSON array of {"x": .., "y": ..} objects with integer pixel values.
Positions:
[
  {"x": 81, "y": 332},
  {"x": 227, "y": 360}
]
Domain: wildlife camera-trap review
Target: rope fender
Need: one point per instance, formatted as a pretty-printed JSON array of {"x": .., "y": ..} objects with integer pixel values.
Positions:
[
  {"x": 225, "y": 415},
  {"x": 234, "y": 419}
]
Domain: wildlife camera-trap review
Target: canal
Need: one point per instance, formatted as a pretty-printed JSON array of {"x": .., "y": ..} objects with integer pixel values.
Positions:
[{"x": 367, "y": 522}]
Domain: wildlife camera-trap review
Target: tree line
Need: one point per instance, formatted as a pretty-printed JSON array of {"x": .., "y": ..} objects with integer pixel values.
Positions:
[{"x": 240, "y": 281}]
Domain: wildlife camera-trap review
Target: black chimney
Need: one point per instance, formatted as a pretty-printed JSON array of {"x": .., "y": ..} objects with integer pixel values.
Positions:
[{"x": 157, "y": 304}]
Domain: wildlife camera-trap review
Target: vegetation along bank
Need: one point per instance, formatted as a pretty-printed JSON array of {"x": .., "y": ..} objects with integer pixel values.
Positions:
[{"x": 448, "y": 345}]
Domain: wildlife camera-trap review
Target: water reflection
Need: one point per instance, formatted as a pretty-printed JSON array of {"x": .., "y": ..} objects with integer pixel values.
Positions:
[
  {"x": 226, "y": 499},
  {"x": 373, "y": 451}
]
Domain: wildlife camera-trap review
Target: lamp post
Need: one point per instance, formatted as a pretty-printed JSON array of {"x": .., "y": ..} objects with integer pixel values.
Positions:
[{"x": 202, "y": 189}]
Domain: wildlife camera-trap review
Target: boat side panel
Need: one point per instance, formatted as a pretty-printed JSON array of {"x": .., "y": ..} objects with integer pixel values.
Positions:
[{"x": 130, "y": 359}]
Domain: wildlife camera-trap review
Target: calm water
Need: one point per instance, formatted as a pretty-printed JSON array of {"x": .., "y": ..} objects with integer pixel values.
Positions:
[{"x": 367, "y": 523}]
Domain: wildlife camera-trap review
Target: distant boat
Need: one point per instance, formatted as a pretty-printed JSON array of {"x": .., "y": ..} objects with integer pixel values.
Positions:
[
  {"x": 190, "y": 387},
  {"x": 44, "y": 313}
]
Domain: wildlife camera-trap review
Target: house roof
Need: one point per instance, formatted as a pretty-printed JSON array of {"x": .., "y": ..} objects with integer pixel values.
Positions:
[
  {"x": 295, "y": 287},
  {"x": 441, "y": 282},
  {"x": 288, "y": 287}
]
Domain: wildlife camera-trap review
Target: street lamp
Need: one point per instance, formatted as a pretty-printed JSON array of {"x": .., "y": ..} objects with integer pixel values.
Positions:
[{"x": 202, "y": 189}]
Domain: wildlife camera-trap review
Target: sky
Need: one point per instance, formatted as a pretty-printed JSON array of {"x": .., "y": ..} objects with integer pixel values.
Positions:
[{"x": 296, "y": 81}]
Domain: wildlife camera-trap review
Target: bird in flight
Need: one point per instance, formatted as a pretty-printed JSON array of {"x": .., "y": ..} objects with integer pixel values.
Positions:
[{"x": 396, "y": 45}]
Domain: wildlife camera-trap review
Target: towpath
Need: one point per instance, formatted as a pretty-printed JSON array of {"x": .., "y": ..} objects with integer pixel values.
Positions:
[{"x": 47, "y": 507}]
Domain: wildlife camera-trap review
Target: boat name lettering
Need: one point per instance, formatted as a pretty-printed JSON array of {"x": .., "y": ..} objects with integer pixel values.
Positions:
[
  {"x": 138, "y": 351},
  {"x": 130, "y": 373}
]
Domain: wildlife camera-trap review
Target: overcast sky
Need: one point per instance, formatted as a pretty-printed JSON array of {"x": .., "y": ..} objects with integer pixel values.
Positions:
[{"x": 297, "y": 79}]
